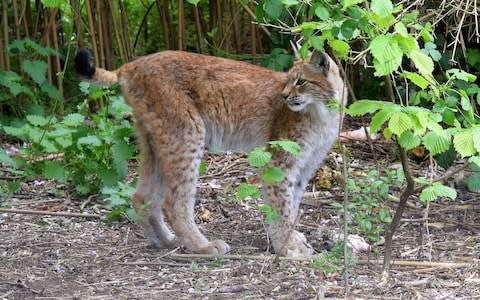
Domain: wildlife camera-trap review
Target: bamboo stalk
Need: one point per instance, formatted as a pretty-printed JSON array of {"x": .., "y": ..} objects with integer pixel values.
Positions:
[
  {"x": 25, "y": 17},
  {"x": 58, "y": 66},
  {"x": 198, "y": 26},
  {"x": 91, "y": 29},
  {"x": 236, "y": 27},
  {"x": 5, "y": 32},
  {"x": 125, "y": 30},
  {"x": 164, "y": 18},
  {"x": 106, "y": 32},
  {"x": 77, "y": 22},
  {"x": 120, "y": 44},
  {"x": 253, "y": 33},
  {"x": 46, "y": 39},
  {"x": 2, "y": 53},
  {"x": 15, "y": 19},
  {"x": 101, "y": 43},
  {"x": 181, "y": 25}
]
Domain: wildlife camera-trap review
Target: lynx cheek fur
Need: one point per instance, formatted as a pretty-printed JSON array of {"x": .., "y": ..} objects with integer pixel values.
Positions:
[{"x": 185, "y": 102}]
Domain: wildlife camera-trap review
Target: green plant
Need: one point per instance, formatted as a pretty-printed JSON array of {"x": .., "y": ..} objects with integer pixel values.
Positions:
[
  {"x": 369, "y": 196},
  {"x": 332, "y": 261},
  {"x": 29, "y": 85},
  {"x": 117, "y": 199},
  {"x": 259, "y": 158},
  {"x": 89, "y": 151}
]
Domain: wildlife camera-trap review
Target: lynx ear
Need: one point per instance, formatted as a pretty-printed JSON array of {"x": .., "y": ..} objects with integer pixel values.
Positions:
[
  {"x": 320, "y": 62},
  {"x": 296, "y": 48}
]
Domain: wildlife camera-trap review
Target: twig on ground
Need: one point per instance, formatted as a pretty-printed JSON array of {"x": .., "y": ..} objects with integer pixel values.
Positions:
[
  {"x": 190, "y": 257},
  {"x": 50, "y": 213}
]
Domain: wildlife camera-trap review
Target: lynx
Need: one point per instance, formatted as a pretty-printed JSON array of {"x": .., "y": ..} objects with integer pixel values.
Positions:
[{"x": 185, "y": 102}]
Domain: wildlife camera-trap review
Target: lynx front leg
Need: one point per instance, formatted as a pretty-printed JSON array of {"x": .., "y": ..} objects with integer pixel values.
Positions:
[{"x": 285, "y": 198}]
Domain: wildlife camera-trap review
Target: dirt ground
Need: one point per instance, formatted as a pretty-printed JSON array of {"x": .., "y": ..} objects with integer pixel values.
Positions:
[{"x": 67, "y": 257}]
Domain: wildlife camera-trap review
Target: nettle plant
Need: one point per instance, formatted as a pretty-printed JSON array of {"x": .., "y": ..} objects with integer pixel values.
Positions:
[
  {"x": 88, "y": 151},
  {"x": 29, "y": 85},
  {"x": 437, "y": 112},
  {"x": 259, "y": 158}
]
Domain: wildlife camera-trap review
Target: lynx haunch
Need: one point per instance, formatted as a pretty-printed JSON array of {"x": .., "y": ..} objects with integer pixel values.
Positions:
[{"x": 185, "y": 102}]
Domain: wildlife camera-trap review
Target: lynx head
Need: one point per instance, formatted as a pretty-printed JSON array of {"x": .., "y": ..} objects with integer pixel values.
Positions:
[{"x": 314, "y": 81}]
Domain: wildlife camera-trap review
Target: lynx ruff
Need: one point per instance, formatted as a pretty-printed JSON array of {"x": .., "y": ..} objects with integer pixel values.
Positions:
[{"x": 185, "y": 102}]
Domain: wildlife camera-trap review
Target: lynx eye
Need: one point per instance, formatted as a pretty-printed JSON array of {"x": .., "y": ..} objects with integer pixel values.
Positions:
[{"x": 300, "y": 82}]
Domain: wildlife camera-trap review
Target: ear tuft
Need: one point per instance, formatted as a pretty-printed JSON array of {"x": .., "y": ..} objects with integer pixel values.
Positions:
[{"x": 320, "y": 62}]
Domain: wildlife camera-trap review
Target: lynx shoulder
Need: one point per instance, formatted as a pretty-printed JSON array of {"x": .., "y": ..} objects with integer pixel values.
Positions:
[{"x": 185, "y": 102}]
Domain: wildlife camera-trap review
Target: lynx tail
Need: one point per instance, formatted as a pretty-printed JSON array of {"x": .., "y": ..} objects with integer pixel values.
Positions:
[{"x": 86, "y": 68}]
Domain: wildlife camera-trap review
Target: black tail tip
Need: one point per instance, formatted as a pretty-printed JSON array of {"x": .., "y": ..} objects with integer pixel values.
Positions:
[{"x": 83, "y": 64}]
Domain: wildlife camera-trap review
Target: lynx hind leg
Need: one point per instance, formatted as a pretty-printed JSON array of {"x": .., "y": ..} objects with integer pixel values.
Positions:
[
  {"x": 148, "y": 196},
  {"x": 179, "y": 163},
  {"x": 285, "y": 198}
]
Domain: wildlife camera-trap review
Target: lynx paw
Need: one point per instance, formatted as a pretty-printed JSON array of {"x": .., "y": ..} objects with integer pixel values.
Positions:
[
  {"x": 296, "y": 246},
  {"x": 215, "y": 247}
]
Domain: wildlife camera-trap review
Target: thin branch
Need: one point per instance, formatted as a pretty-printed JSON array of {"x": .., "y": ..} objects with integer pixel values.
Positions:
[
  {"x": 49, "y": 213},
  {"x": 407, "y": 192}
]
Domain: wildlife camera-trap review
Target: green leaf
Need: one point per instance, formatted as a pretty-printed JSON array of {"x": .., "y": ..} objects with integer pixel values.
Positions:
[
  {"x": 273, "y": 8},
  {"x": 15, "y": 131},
  {"x": 273, "y": 175},
  {"x": 475, "y": 160},
  {"x": 122, "y": 152},
  {"x": 363, "y": 107},
  {"x": 463, "y": 143},
  {"x": 473, "y": 182},
  {"x": 4, "y": 158},
  {"x": 387, "y": 54},
  {"x": 408, "y": 140},
  {"x": 322, "y": 13},
  {"x": 290, "y": 2},
  {"x": 259, "y": 157},
  {"x": 245, "y": 190},
  {"x": 53, "y": 3},
  {"x": 436, "y": 191},
  {"x": 91, "y": 140},
  {"x": 417, "y": 79},
  {"x": 51, "y": 90},
  {"x": 447, "y": 158},
  {"x": 348, "y": 3},
  {"x": 383, "y": 8},
  {"x": 401, "y": 29},
  {"x": 461, "y": 75},
  {"x": 399, "y": 122},
  {"x": 436, "y": 143},
  {"x": 36, "y": 120},
  {"x": 54, "y": 170},
  {"x": 39, "y": 49},
  {"x": 48, "y": 146},
  {"x": 422, "y": 62},
  {"x": 341, "y": 48},
  {"x": 384, "y": 215},
  {"x": 73, "y": 120},
  {"x": 381, "y": 117},
  {"x": 270, "y": 213},
  {"x": 37, "y": 69},
  {"x": 108, "y": 176},
  {"x": 287, "y": 146},
  {"x": 476, "y": 138},
  {"x": 202, "y": 168}
]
